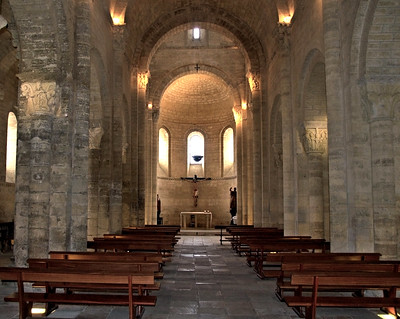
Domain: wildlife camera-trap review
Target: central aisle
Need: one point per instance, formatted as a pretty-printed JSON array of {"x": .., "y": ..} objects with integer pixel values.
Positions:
[{"x": 207, "y": 280}]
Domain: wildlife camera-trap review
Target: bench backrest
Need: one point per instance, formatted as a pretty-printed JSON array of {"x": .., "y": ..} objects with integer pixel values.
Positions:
[
  {"x": 296, "y": 257},
  {"x": 58, "y": 275},
  {"x": 351, "y": 279},
  {"x": 336, "y": 266},
  {"x": 91, "y": 266},
  {"x": 106, "y": 256}
]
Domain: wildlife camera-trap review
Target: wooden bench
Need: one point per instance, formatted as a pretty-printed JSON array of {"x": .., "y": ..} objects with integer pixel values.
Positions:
[
  {"x": 257, "y": 249},
  {"x": 142, "y": 237},
  {"x": 387, "y": 282},
  {"x": 97, "y": 265},
  {"x": 154, "y": 230},
  {"x": 283, "y": 283},
  {"x": 24, "y": 276},
  {"x": 164, "y": 248},
  {"x": 271, "y": 266}
]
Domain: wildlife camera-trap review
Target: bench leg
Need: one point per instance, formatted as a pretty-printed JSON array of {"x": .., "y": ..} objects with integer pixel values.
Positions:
[{"x": 25, "y": 309}]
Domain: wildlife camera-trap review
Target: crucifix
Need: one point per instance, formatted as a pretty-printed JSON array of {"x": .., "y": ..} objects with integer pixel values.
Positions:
[
  {"x": 195, "y": 180},
  {"x": 197, "y": 67}
]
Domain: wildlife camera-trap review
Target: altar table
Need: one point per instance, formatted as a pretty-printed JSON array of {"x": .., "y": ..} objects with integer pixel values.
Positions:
[{"x": 208, "y": 215}]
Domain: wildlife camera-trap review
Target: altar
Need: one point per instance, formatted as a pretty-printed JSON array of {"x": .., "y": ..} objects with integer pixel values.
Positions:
[{"x": 207, "y": 214}]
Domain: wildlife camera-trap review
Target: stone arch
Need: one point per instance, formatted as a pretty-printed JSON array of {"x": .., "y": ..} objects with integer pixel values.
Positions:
[
  {"x": 210, "y": 16},
  {"x": 156, "y": 94}
]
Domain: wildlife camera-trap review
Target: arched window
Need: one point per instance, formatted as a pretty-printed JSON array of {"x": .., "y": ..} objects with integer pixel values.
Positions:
[
  {"x": 195, "y": 154},
  {"x": 228, "y": 152},
  {"x": 11, "y": 148},
  {"x": 163, "y": 150}
]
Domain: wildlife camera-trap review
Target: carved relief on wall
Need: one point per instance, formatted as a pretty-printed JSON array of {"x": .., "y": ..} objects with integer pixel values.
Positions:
[
  {"x": 254, "y": 81},
  {"x": 143, "y": 79},
  {"x": 380, "y": 99},
  {"x": 41, "y": 97},
  {"x": 281, "y": 34},
  {"x": 315, "y": 140},
  {"x": 95, "y": 135}
]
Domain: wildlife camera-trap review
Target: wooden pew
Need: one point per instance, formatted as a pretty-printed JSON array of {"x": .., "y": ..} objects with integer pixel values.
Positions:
[
  {"x": 142, "y": 236},
  {"x": 164, "y": 248},
  {"x": 387, "y": 282},
  {"x": 271, "y": 267},
  {"x": 24, "y": 276},
  {"x": 257, "y": 249},
  {"x": 156, "y": 230},
  {"x": 288, "y": 268},
  {"x": 97, "y": 265},
  {"x": 111, "y": 256}
]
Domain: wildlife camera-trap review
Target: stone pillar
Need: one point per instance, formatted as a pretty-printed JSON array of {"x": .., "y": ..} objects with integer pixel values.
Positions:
[
  {"x": 337, "y": 139},
  {"x": 383, "y": 98},
  {"x": 314, "y": 142},
  {"x": 94, "y": 216},
  {"x": 39, "y": 104},
  {"x": 152, "y": 115},
  {"x": 245, "y": 169},
  {"x": 257, "y": 174},
  {"x": 117, "y": 138},
  {"x": 282, "y": 36},
  {"x": 237, "y": 113},
  {"x": 93, "y": 192},
  {"x": 142, "y": 173}
]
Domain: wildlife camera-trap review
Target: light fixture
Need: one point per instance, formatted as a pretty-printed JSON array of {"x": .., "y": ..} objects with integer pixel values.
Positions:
[
  {"x": 150, "y": 106},
  {"x": 287, "y": 19},
  {"x": 244, "y": 106}
]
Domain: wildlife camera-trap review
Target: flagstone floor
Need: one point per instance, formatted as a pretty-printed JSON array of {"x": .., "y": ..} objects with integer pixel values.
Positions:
[{"x": 204, "y": 280}]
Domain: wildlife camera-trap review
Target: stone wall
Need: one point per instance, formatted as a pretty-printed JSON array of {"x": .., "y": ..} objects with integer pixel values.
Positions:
[{"x": 7, "y": 202}]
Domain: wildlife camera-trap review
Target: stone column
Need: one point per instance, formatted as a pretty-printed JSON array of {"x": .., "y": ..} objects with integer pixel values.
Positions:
[
  {"x": 80, "y": 138},
  {"x": 39, "y": 103},
  {"x": 237, "y": 113},
  {"x": 117, "y": 139},
  {"x": 95, "y": 137},
  {"x": 383, "y": 98},
  {"x": 152, "y": 115},
  {"x": 282, "y": 36},
  {"x": 142, "y": 173},
  {"x": 314, "y": 142},
  {"x": 257, "y": 174},
  {"x": 337, "y": 139}
]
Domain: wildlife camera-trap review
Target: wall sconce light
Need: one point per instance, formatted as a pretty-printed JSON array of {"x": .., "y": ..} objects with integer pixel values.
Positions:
[
  {"x": 150, "y": 106},
  {"x": 244, "y": 106},
  {"x": 117, "y": 19},
  {"x": 287, "y": 19}
]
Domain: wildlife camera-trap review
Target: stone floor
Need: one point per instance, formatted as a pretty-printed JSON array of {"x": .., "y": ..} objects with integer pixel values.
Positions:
[{"x": 205, "y": 280}]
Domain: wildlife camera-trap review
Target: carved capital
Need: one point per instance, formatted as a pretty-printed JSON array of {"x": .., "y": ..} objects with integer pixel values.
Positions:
[
  {"x": 95, "y": 135},
  {"x": 254, "y": 81},
  {"x": 155, "y": 114},
  {"x": 143, "y": 79},
  {"x": 315, "y": 140},
  {"x": 281, "y": 33},
  {"x": 41, "y": 97},
  {"x": 380, "y": 100}
]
